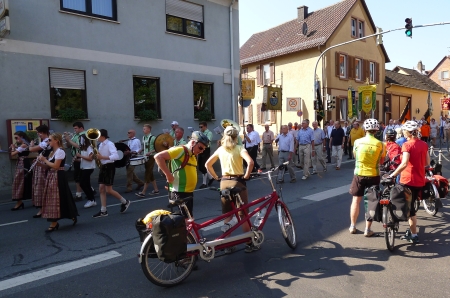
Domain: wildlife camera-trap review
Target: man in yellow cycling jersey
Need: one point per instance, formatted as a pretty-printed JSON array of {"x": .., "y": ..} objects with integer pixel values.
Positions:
[{"x": 369, "y": 152}]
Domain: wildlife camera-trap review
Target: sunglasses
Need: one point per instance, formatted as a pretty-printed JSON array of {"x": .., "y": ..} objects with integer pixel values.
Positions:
[
  {"x": 200, "y": 127},
  {"x": 201, "y": 148},
  {"x": 16, "y": 138},
  {"x": 129, "y": 132}
]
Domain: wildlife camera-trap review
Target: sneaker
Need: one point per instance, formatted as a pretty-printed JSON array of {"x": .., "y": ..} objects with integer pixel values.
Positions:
[
  {"x": 352, "y": 229},
  {"x": 251, "y": 248},
  {"x": 304, "y": 177},
  {"x": 313, "y": 173},
  {"x": 368, "y": 233},
  {"x": 154, "y": 192},
  {"x": 125, "y": 206},
  {"x": 230, "y": 250},
  {"x": 414, "y": 239},
  {"x": 338, "y": 168},
  {"x": 100, "y": 214},
  {"x": 140, "y": 194},
  {"x": 89, "y": 204},
  {"x": 202, "y": 186}
]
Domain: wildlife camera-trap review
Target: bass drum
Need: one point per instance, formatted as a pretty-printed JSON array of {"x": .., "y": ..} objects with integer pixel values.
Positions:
[{"x": 124, "y": 159}]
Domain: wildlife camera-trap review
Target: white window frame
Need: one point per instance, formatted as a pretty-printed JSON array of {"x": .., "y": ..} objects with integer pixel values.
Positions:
[
  {"x": 360, "y": 29},
  {"x": 445, "y": 75},
  {"x": 266, "y": 74},
  {"x": 373, "y": 70},
  {"x": 358, "y": 66},
  {"x": 343, "y": 68},
  {"x": 353, "y": 27}
]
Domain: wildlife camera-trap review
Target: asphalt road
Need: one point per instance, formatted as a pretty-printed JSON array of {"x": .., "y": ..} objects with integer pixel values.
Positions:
[{"x": 98, "y": 257}]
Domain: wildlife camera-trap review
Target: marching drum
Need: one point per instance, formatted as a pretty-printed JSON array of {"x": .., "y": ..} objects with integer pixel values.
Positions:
[
  {"x": 138, "y": 160},
  {"x": 123, "y": 159}
]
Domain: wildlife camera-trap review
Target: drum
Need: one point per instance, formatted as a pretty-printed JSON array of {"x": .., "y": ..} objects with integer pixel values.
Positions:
[
  {"x": 124, "y": 159},
  {"x": 138, "y": 160}
]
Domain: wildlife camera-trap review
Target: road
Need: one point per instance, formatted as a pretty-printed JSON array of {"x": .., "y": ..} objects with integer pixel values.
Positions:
[{"x": 98, "y": 257}]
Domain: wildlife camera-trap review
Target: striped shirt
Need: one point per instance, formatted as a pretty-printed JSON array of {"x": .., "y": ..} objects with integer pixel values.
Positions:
[{"x": 186, "y": 178}]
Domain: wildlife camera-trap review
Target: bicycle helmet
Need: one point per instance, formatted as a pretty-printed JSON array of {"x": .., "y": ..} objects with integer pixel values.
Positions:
[
  {"x": 390, "y": 134},
  {"x": 200, "y": 137},
  {"x": 371, "y": 124},
  {"x": 410, "y": 126}
]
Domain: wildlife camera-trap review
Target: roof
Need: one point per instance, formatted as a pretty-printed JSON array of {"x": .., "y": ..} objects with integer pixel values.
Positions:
[
  {"x": 287, "y": 38},
  {"x": 412, "y": 79},
  {"x": 438, "y": 65}
]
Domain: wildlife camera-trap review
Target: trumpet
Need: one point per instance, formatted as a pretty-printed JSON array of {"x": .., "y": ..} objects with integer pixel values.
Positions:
[
  {"x": 93, "y": 134},
  {"x": 65, "y": 134}
]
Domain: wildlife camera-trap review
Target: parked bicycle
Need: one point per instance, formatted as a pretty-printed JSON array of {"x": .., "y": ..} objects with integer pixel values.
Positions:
[
  {"x": 171, "y": 274},
  {"x": 390, "y": 222}
]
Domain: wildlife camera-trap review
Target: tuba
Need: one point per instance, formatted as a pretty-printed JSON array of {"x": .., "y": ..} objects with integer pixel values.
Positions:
[{"x": 93, "y": 134}]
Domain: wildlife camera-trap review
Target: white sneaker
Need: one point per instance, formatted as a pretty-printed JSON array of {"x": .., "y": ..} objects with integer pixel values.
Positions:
[
  {"x": 90, "y": 204},
  {"x": 304, "y": 178}
]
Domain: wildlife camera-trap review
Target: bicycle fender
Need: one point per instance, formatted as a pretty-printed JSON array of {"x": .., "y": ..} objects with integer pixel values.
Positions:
[{"x": 141, "y": 252}]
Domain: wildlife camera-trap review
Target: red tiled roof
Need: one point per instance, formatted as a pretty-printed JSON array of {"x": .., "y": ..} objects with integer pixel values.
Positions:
[
  {"x": 288, "y": 38},
  {"x": 413, "y": 79}
]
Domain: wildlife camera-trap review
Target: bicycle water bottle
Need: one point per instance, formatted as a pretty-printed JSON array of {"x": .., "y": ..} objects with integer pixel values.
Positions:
[{"x": 259, "y": 217}]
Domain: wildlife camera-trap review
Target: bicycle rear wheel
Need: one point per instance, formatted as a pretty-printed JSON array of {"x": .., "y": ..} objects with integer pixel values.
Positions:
[
  {"x": 416, "y": 205},
  {"x": 430, "y": 206},
  {"x": 287, "y": 225},
  {"x": 389, "y": 232},
  {"x": 166, "y": 274}
]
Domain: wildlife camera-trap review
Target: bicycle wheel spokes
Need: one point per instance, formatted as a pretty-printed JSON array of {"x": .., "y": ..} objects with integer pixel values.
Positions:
[{"x": 287, "y": 226}]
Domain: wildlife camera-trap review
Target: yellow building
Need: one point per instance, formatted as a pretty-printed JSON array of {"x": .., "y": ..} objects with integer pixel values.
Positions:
[
  {"x": 287, "y": 55},
  {"x": 409, "y": 93}
]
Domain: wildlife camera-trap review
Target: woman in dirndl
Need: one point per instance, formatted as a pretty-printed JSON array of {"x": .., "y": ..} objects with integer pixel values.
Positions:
[
  {"x": 21, "y": 189},
  {"x": 58, "y": 201},
  {"x": 40, "y": 170}
]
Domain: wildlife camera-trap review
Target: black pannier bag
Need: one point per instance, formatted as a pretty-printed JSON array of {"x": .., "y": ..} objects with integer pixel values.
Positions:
[
  {"x": 170, "y": 237},
  {"x": 401, "y": 202},
  {"x": 372, "y": 204}
]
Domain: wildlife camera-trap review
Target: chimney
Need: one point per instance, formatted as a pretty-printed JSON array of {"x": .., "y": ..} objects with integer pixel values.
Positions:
[{"x": 302, "y": 13}]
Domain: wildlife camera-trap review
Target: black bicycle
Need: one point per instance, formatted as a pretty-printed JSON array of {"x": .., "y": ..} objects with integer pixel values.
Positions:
[{"x": 390, "y": 222}]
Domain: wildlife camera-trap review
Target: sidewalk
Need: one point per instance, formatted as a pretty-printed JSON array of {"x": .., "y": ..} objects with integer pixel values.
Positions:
[{"x": 120, "y": 178}]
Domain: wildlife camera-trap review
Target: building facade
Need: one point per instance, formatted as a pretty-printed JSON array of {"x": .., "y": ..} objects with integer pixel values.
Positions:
[
  {"x": 441, "y": 74},
  {"x": 287, "y": 55},
  {"x": 119, "y": 62}
]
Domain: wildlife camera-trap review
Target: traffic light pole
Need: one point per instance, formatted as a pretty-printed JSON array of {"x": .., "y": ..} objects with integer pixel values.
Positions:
[{"x": 358, "y": 39}]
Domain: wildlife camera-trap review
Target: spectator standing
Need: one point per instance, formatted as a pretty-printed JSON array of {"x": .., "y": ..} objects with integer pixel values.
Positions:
[
  {"x": 267, "y": 150},
  {"x": 286, "y": 150},
  {"x": 305, "y": 141},
  {"x": 356, "y": 133},
  {"x": 319, "y": 148},
  {"x": 337, "y": 143}
]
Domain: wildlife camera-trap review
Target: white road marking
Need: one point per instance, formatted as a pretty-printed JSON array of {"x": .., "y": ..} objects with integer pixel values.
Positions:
[
  {"x": 13, "y": 223},
  {"x": 328, "y": 193},
  {"x": 30, "y": 277}
]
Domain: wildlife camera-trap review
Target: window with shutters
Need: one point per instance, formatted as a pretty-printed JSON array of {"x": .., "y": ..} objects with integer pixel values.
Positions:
[
  {"x": 245, "y": 115},
  {"x": 203, "y": 99},
  {"x": 360, "y": 29},
  {"x": 146, "y": 97},
  {"x": 358, "y": 69},
  {"x": 342, "y": 66},
  {"x": 353, "y": 27},
  {"x": 244, "y": 74},
  {"x": 444, "y": 75},
  {"x": 104, "y": 9},
  {"x": 67, "y": 90},
  {"x": 266, "y": 74},
  {"x": 372, "y": 69},
  {"x": 184, "y": 18}
]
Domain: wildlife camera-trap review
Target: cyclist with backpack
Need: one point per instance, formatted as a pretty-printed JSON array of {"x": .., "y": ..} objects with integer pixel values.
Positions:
[
  {"x": 369, "y": 152},
  {"x": 181, "y": 171}
]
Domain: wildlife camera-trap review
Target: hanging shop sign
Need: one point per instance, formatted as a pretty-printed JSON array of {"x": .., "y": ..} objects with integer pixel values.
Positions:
[
  {"x": 248, "y": 89},
  {"x": 367, "y": 98},
  {"x": 272, "y": 97}
]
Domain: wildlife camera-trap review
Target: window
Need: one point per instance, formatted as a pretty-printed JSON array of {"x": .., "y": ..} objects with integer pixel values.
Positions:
[
  {"x": 358, "y": 69},
  {"x": 244, "y": 74},
  {"x": 353, "y": 22},
  {"x": 444, "y": 75},
  {"x": 67, "y": 90},
  {"x": 372, "y": 72},
  {"x": 342, "y": 66},
  {"x": 360, "y": 29},
  {"x": 203, "y": 99},
  {"x": 105, "y": 9},
  {"x": 184, "y": 18},
  {"x": 266, "y": 74},
  {"x": 146, "y": 98}
]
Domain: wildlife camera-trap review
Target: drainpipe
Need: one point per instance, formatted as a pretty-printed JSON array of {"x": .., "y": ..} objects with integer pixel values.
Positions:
[{"x": 233, "y": 101}]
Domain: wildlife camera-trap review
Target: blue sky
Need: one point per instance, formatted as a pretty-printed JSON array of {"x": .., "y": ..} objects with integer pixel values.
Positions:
[{"x": 429, "y": 44}]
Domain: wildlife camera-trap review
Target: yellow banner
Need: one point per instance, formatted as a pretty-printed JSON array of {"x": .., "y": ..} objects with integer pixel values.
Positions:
[
  {"x": 349, "y": 104},
  {"x": 248, "y": 89},
  {"x": 273, "y": 98},
  {"x": 367, "y": 97}
]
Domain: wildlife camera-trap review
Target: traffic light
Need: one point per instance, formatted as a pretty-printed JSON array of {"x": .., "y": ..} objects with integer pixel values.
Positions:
[
  {"x": 331, "y": 103},
  {"x": 408, "y": 26},
  {"x": 379, "y": 36}
]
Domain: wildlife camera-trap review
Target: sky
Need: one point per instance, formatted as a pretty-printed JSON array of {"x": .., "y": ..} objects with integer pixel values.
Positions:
[{"x": 429, "y": 44}]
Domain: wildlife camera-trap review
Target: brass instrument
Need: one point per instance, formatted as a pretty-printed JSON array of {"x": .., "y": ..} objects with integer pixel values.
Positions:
[
  {"x": 93, "y": 134},
  {"x": 64, "y": 137}
]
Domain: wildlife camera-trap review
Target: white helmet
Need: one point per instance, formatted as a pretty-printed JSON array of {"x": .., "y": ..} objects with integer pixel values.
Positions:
[
  {"x": 371, "y": 124},
  {"x": 410, "y": 126}
]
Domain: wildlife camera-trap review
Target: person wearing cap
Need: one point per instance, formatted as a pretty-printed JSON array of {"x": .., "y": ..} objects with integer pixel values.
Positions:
[
  {"x": 107, "y": 154},
  {"x": 174, "y": 125},
  {"x": 412, "y": 168},
  {"x": 203, "y": 157},
  {"x": 231, "y": 156},
  {"x": 181, "y": 176}
]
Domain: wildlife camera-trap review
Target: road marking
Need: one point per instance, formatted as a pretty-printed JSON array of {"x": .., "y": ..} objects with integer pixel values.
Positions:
[
  {"x": 30, "y": 277},
  {"x": 13, "y": 223},
  {"x": 328, "y": 193}
]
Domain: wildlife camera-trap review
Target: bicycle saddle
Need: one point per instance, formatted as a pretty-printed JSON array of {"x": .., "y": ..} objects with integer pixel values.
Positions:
[
  {"x": 235, "y": 190},
  {"x": 180, "y": 201}
]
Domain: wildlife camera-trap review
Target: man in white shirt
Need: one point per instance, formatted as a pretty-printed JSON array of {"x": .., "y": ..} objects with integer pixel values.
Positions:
[
  {"x": 252, "y": 141},
  {"x": 135, "y": 147},
  {"x": 286, "y": 151},
  {"x": 330, "y": 128},
  {"x": 267, "y": 150},
  {"x": 107, "y": 154}
]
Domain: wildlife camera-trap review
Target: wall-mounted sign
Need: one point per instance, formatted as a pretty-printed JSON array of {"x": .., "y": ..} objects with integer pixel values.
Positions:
[
  {"x": 293, "y": 104},
  {"x": 445, "y": 104},
  {"x": 248, "y": 89},
  {"x": 4, "y": 27},
  {"x": 3, "y": 7}
]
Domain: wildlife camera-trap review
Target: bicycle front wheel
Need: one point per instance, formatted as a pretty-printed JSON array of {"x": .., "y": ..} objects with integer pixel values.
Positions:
[
  {"x": 389, "y": 232},
  {"x": 166, "y": 274},
  {"x": 430, "y": 206},
  {"x": 287, "y": 225}
]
